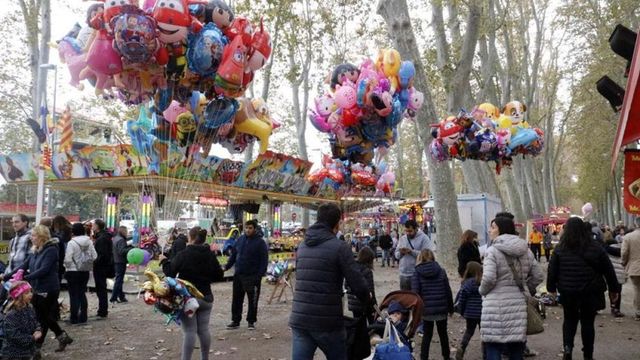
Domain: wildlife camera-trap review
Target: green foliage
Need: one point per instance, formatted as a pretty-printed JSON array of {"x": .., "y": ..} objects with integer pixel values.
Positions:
[
  {"x": 15, "y": 98},
  {"x": 86, "y": 204},
  {"x": 592, "y": 126}
]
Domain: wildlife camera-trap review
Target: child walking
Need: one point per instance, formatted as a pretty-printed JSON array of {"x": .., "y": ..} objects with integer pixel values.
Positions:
[
  {"x": 430, "y": 281},
  {"x": 21, "y": 328},
  {"x": 469, "y": 303}
]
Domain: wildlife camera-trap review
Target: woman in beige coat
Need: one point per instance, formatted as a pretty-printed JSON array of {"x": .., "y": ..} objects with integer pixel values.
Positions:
[{"x": 503, "y": 325}]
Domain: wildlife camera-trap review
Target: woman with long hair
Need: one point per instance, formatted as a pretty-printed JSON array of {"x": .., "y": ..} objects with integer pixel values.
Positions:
[
  {"x": 468, "y": 250},
  {"x": 61, "y": 229},
  {"x": 578, "y": 269},
  {"x": 364, "y": 262},
  {"x": 503, "y": 324},
  {"x": 198, "y": 265},
  {"x": 42, "y": 273},
  {"x": 430, "y": 281}
]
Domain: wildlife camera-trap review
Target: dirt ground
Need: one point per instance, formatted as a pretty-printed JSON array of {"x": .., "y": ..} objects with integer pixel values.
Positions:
[{"x": 134, "y": 331}]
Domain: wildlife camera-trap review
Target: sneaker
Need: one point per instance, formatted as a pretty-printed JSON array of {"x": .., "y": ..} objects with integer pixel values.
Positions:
[
  {"x": 637, "y": 318},
  {"x": 233, "y": 325},
  {"x": 529, "y": 353},
  {"x": 251, "y": 326}
]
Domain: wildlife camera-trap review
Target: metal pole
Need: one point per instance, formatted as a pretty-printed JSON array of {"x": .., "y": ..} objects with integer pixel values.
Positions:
[
  {"x": 51, "y": 139},
  {"x": 40, "y": 194}
]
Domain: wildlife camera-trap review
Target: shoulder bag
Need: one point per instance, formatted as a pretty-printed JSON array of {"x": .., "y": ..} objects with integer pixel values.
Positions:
[{"x": 535, "y": 322}]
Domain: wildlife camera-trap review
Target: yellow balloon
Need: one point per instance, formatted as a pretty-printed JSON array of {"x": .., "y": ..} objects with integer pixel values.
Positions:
[
  {"x": 248, "y": 122},
  {"x": 492, "y": 111},
  {"x": 504, "y": 122}
]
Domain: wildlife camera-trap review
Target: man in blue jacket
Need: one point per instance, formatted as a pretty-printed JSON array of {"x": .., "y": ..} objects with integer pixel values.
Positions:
[
  {"x": 250, "y": 258},
  {"x": 323, "y": 263}
]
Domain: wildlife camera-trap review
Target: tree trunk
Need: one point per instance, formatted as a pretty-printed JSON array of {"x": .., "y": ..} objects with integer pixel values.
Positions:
[
  {"x": 399, "y": 150},
  {"x": 396, "y": 16}
]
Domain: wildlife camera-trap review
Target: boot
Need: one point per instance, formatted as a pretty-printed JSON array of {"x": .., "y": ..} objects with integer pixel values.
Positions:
[
  {"x": 63, "y": 341},
  {"x": 566, "y": 354},
  {"x": 460, "y": 353}
]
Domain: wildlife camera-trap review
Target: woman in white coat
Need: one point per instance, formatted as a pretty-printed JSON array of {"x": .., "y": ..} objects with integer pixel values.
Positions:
[{"x": 503, "y": 325}]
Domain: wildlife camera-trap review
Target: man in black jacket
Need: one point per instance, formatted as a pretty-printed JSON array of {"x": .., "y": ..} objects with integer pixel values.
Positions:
[
  {"x": 121, "y": 247},
  {"x": 250, "y": 257},
  {"x": 386, "y": 243},
  {"x": 322, "y": 264},
  {"x": 103, "y": 265}
]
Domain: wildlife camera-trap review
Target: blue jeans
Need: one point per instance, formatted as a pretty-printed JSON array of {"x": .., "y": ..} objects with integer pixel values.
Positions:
[
  {"x": 386, "y": 257},
  {"x": 332, "y": 343},
  {"x": 515, "y": 350},
  {"x": 118, "y": 293}
]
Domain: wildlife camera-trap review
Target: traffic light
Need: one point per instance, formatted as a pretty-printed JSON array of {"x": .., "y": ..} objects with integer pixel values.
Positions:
[
  {"x": 622, "y": 42},
  {"x": 611, "y": 91}
]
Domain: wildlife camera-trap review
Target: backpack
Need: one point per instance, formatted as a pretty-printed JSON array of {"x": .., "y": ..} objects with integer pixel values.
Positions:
[{"x": 84, "y": 260}]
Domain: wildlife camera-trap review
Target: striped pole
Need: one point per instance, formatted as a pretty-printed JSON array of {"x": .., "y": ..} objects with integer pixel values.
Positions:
[{"x": 66, "y": 139}]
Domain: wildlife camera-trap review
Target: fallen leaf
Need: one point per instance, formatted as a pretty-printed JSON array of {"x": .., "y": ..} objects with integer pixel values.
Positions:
[
  {"x": 267, "y": 336},
  {"x": 107, "y": 343},
  {"x": 129, "y": 348}
]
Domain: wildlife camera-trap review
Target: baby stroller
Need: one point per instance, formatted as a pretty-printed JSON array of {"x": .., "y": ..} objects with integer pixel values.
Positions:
[{"x": 413, "y": 303}]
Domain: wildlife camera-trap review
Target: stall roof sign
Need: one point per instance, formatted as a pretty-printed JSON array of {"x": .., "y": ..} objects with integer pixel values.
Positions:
[{"x": 629, "y": 123}]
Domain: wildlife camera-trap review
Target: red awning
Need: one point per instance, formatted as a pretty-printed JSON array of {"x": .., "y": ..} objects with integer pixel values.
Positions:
[{"x": 629, "y": 123}]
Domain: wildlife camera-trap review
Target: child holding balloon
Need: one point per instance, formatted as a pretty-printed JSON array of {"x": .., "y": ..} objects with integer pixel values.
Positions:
[{"x": 77, "y": 278}]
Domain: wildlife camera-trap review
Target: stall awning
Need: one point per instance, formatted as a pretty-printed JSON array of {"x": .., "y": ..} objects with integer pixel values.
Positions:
[{"x": 629, "y": 123}]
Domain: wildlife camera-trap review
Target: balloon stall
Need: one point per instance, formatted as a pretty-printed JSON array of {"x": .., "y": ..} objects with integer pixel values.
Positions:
[
  {"x": 360, "y": 113},
  {"x": 486, "y": 134},
  {"x": 189, "y": 61}
]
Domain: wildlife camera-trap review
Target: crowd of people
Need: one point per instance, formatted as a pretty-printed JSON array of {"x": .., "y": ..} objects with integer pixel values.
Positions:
[
  {"x": 39, "y": 259},
  {"x": 586, "y": 263}
]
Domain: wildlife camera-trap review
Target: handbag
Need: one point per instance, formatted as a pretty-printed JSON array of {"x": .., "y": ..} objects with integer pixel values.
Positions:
[
  {"x": 392, "y": 347},
  {"x": 535, "y": 322}
]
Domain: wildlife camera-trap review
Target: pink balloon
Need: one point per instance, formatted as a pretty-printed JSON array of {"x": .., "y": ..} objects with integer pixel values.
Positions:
[
  {"x": 345, "y": 96},
  {"x": 102, "y": 58},
  {"x": 71, "y": 55},
  {"x": 148, "y": 5},
  {"x": 587, "y": 209},
  {"x": 172, "y": 112}
]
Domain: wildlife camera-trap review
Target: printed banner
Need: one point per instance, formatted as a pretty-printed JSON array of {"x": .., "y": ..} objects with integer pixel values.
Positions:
[
  {"x": 278, "y": 172},
  {"x": 632, "y": 181},
  {"x": 270, "y": 171}
]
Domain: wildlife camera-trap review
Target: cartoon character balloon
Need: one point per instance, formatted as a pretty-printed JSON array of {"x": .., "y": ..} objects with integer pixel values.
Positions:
[
  {"x": 135, "y": 36},
  {"x": 205, "y": 50}
]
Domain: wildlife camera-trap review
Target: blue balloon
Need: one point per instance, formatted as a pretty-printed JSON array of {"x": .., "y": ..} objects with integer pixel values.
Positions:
[
  {"x": 218, "y": 112},
  {"x": 139, "y": 137},
  {"x": 143, "y": 119},
  {"x": 205, "y": 48},
  {"x": 406, "y": 73},
  {"x": 522, "y": 137},
  {"x": 395, "y": 117}
]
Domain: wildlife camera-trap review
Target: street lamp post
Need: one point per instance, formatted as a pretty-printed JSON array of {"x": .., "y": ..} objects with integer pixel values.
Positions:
[{"x": 41, "y": 189}]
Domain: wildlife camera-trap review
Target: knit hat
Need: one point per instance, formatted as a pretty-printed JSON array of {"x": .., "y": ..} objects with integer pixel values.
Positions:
[
  {"x": 18, "y": 288},
  {"x": 395, "y": 307}
]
